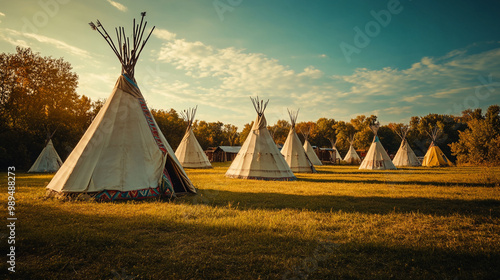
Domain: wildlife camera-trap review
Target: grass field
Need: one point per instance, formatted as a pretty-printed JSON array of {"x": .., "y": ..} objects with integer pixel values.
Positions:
[{"x": 343, "y": 223}]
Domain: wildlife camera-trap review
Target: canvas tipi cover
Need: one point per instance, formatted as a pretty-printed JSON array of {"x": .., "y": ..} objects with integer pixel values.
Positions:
[
  {"x": 189, "y": 152},
  {"x": 311, "y": 154},
  {"x": 123, "y": 154},
  {"x": 48, "y": 160},
  {"x": 335, "y": 151},
  {"x": 352, "y": 156},
  {"x": 405, "y": 155},
  {"x": 259, "y": 158},
  {"x": 294, "y": 153},
  {"x": 434, "y": 155},
  {"x": 377, "y": 157}
]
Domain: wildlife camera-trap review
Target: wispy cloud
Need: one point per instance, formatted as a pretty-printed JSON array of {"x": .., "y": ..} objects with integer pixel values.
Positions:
[
  {"x": 117, "y": 5},
  {"x": 17, "y": 38},
  {"x": 398, "y": 93},
  {"x": 1, "y": 15},
  {"x": 164, "y": 34}
]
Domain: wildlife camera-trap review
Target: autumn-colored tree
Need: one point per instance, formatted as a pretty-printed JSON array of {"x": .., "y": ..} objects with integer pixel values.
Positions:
[{"x": 303, "y": 127}]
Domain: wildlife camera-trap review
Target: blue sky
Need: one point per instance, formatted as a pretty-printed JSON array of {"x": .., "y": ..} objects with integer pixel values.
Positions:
[{"x": 334, "y": 59}]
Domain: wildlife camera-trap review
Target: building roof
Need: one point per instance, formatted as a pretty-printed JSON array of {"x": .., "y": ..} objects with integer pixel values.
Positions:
[{"x": 230, "y": 149}]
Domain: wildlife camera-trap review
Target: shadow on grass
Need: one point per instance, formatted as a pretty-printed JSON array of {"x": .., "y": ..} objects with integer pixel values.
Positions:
[
  {"x": 389, "y": 181},
  {"x": 353, "y": 204},
  {"x": 91, "y": 246},
  {"x": 369, "y": 172}
]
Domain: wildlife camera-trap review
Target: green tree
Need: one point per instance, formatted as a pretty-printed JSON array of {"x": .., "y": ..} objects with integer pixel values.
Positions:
[
  {"x": 230, "y": 134},
  {"x": 480, "y": 142},
  {"x": 244, "y": 134},
  {"x": 450, "y": 127},
  {"x": 280, "y": 130},
  {"x": 171, "y": 125},
  {"x": 344, "y": 132},
  {"x": 327, "y": 131},
  {"x": 37, "y": 97},
  {"x": 364, "y": 137}
]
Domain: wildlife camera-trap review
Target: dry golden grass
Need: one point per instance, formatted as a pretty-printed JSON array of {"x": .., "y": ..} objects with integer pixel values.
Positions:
[{"x": 343, "y": 223}]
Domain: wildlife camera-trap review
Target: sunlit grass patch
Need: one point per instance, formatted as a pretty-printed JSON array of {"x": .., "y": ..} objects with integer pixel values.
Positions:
[{"x": 433, "y": 223}]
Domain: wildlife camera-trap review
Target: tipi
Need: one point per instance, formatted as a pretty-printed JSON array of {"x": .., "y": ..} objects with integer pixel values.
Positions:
[
  {"x": 352, "y": 156},
  {"x": 123, "y": 154},
  {"x": 309, "y": 149},
  {"x": 189, "y": 152},
  {"x": 377, "y": 157},
  {"x": 292, "y": 150},
  {"x": 434, "y": 155},
  {"x": 259, "y": 158},
  {"x": 405, "y": 155},
  {"x": 48, "y": 160},
  {"x": 335, "y": 151}
]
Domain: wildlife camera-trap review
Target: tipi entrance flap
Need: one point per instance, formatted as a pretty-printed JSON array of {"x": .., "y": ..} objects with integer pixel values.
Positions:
[{"x": 123, "y": 154}]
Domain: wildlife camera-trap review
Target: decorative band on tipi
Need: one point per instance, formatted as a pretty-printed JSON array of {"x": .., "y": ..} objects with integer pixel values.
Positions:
[{"x": 123, "y": 154}]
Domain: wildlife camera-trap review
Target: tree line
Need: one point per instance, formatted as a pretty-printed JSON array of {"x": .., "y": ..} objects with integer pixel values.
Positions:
[{"x": 38, "y": 98}]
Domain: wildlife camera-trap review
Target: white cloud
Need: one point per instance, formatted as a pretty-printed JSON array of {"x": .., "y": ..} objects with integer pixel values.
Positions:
[
  {"x": 230, "y": 75},
  {"x": 323, "y": 55},
  {"x": 164, "y": 34},
  {"x": 117, "y": 5},
  {"x": 412, "y": 98},
  {"x": 2, "y": 14},
  {"x": 311, "y": 72},
  {"x": 13, "y": 37}
]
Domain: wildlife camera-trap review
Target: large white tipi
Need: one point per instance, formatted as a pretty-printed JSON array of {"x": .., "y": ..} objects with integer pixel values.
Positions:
[
  {"x": 377, "y": 157},
  {"x": 292, "y": 150},
  {"x": 405, "y": 155},
  {"x": 352, "y": 156},
  {"x": 189, "y": 152},
  {"x": 123, "y": 154},
  {"x": 259, "y": 158},
  {"x": 47, "y": 161},
  {"x": 309, "y": 149}
]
